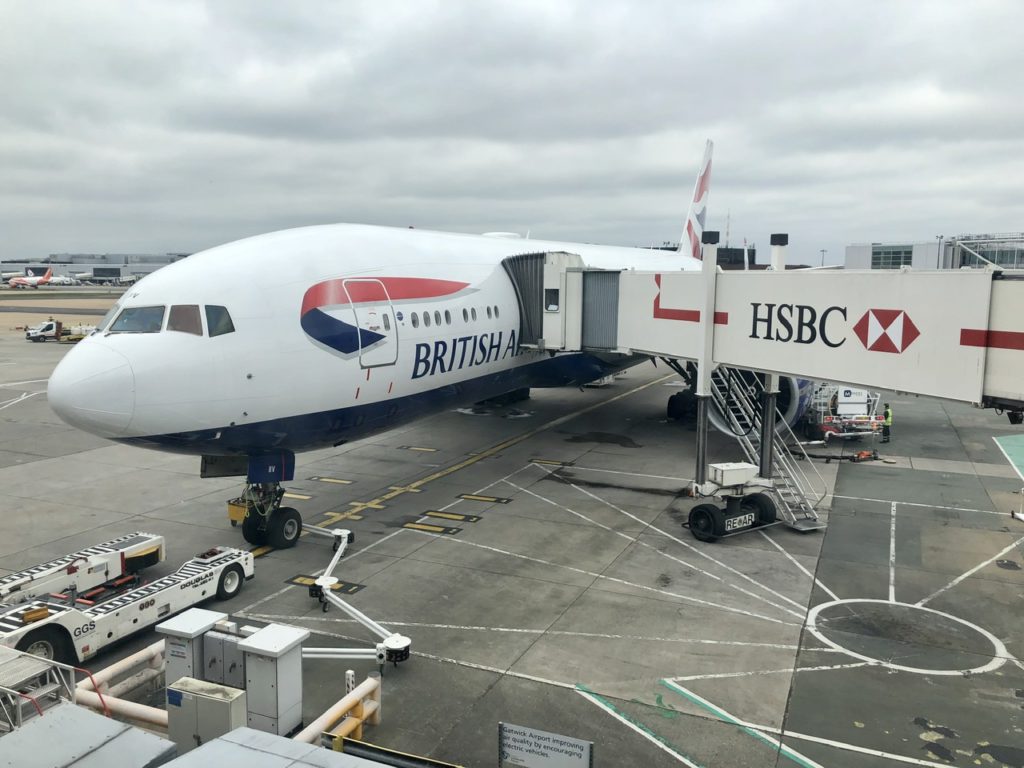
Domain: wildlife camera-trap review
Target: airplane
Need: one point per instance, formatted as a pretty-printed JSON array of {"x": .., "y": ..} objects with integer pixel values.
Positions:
[
  {"x": 31, "y": 280},
  {"x": 64, "y": 280},
  {"x": 371, "y": 327}
]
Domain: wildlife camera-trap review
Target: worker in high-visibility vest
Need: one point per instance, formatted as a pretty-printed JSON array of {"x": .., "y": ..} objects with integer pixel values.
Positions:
[{"x": 886, "y": 423}]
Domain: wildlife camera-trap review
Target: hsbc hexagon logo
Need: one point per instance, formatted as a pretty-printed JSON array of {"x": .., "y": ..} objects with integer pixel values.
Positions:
[{"x": 886, "y": 330}]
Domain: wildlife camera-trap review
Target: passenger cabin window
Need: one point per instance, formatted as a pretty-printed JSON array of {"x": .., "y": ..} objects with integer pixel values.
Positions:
[
  {"x": 472, "y": 311},
  {"x": 447, "y": 317},
  {"x": 387, "y": 322},
  {"x": 465, "y": 315},
  {"x": 415, "y": 320},
  {"x": 437, "y": 318},
  {"x": 495, "y": 310},
  {"x": 138, "y": 320},
  {"x": 426, "y": 319},
  {"x": 218, "y": 321},
  {"x": 185, "y": 318},
  {"x": 488, "y": 313}
]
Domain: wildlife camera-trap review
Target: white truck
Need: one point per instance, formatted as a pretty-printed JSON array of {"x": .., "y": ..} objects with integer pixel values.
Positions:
[
  {"x": 85, "y": 615},
  {"x": 56, "y": 330}
]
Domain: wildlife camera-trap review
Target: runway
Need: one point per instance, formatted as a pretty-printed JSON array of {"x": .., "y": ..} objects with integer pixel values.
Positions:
[{"x": 535, "y": 556}]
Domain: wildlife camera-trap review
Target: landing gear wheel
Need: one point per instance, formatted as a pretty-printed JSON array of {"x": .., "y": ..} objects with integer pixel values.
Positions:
[
  {"x": 284, "y": 528},
  {"x": 704, "y": 522},
  {"x": 763, "y": 507},
  {"x": 251, "y": 530},
  {"x": 48, "y": 643},
  {"x": 230, "y": 583}
]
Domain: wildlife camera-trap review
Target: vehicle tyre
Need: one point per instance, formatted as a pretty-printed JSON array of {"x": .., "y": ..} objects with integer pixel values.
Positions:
[
  {"x": 230, "y": 583},
  {"x": 705, "y": 522},
  {"x": 49, "y": 643},
  {"x": 284, "y": 528},
  {"x": 763, "y": 507},
  {"x": 251, "y": 530}
]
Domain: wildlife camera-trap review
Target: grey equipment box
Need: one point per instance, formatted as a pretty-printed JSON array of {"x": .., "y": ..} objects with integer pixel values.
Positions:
[
  {"x": 183, "y": 646},
  {"x": 198, "y": 712},
  {"x": 273, "y": 678},
  {"x": 224, "y": 662}
]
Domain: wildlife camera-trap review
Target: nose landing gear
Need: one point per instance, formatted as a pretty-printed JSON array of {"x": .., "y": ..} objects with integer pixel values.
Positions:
[{"x": 266, "y": 522}]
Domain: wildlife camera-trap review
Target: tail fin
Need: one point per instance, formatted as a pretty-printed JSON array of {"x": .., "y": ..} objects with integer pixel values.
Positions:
[
  {"x": 698, "y": 207},
  {"x": 48, "y": 275}
]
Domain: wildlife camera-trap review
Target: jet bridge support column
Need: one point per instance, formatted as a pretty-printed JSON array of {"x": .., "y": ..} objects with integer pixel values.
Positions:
[
  {"x": 709, "y": 239},
  {"x": 771, "y": 380}
]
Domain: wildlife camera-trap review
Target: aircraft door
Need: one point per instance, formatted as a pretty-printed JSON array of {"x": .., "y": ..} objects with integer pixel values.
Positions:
[{"x": 375, "y": 319}]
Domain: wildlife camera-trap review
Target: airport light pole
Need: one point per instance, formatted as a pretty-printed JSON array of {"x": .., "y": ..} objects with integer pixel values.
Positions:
[
  {"x": 823, "y": 252},
  {"x": 938, "y": 253}
]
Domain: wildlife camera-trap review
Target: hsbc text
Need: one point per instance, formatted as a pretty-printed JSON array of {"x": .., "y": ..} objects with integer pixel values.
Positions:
[{"x": 800, "y": 323}]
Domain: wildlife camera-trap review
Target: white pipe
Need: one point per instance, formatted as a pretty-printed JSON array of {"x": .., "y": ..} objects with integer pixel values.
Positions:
[
  {"x": 339, "y": 653},
  {"x": 105, "y": 675},
  {"x": 312, "y": 732},
  {"x": 128, "y": 709},
  {"x": 133, "y": 683}
]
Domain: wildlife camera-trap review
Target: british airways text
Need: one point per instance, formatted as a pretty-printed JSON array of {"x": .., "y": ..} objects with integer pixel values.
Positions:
[{"x": 462, "y": 352}]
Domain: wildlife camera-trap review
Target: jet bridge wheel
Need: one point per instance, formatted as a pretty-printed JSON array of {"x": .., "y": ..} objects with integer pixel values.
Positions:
[
  {"x": 707, "y": 522},
  {"x": 763, "y": 507},
  {"x": 284, "y": 528}
]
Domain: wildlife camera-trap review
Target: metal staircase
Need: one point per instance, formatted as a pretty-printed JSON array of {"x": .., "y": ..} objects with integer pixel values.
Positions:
[
  {"x": 30, "y": 685},
  {"x": 737, "y": 399}
]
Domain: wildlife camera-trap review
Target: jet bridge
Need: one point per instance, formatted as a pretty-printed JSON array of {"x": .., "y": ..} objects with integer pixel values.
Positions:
[{"x": 957, "y": 335}]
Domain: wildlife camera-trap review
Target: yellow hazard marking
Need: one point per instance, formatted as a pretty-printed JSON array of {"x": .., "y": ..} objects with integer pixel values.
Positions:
[
  {"x": 335, "y": 480},
  {"x": 261, "y": 551},
  {"x": 452, "y": 516},
  {"x": 302, "y": 580},
  {"x": 417, "y": 448},
  {"x": 431, "y": 528},
  {"x": 488, "y": 499},
  {"x": 300, "y": 496}
]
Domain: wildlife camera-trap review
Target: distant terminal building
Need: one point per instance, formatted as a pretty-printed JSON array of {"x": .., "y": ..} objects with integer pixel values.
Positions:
[
  {"x": 98, "y": 267},
  {"x": 1005, "y": 250}
]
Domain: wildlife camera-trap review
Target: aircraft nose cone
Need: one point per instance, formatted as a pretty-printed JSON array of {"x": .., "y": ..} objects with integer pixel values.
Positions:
[{"x": 93, "y": 388}]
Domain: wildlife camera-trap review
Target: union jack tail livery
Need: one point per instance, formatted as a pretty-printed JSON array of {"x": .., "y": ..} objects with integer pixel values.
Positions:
[{"x": 698, "y": 208}]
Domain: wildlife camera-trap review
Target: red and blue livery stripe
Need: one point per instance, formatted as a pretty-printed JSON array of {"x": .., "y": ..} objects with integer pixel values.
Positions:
[{"x": 322, "y": 300}]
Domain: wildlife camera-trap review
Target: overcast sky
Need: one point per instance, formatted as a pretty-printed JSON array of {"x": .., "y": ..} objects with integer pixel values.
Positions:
[{"x": 176, "y": 126}]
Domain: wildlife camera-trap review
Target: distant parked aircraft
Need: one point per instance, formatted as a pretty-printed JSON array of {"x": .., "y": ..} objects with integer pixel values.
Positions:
[{"x": 31, "y": 280}]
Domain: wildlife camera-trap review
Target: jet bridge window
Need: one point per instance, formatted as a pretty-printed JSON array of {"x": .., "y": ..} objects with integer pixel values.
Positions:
[
  {"x": 138, "y": 320},
  {"x": 551, "y": 299},
  {"x": 218, "y": 320},
  {"x": 185, "y": 318}
]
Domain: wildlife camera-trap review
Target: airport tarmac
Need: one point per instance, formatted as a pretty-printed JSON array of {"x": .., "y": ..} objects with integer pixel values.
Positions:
[{"x": 564, "y": 594}]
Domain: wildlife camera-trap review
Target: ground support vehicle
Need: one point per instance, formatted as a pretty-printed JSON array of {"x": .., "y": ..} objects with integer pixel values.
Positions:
[{"x": 70, "y": 628}]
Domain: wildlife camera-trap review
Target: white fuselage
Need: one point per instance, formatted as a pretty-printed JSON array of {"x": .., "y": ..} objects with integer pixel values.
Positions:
[{"x": 335, "y": 336}]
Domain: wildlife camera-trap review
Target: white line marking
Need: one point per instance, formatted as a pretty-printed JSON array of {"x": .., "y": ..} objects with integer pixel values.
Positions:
[
  {"x": 797, "y": 563},
  {"x": 17, "y": 400},
  {"x": 924, "y": 506},
  {"x": 19, "y": 383},
  {"x": 572, "y": 467},
  {"x": 756, "y": 672},
  {"x": 892, "y": 554},
  {"x": 721, "y": 714},
  {"x": 561, "y": 632},
  {"x": 700, "y": 552},
  {"x": 636, "y": 541},
  {"x": 973, "y": 570},
  {"x": 649, "y": 735},
  {"x": 844, "y": 746},
  {"x": 591, "y": 574}
]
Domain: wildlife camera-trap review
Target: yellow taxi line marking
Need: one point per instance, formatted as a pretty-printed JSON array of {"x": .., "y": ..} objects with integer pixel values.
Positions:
[
  {"x": 404, "y": 488},
  {"x": 552, "y": 462},
  {"x": 414, "y": 486},
  {"x": 301, "y": 496},
  {"x": 261, "y": 551}
]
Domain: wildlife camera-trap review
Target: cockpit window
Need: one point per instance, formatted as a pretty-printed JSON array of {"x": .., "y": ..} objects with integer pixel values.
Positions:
[
  {"x": 185, "y": 318},
  {"x": 111, "y": 313},
  {"x": 218, "y": 320},
  {"x": 138, "y": 320}
]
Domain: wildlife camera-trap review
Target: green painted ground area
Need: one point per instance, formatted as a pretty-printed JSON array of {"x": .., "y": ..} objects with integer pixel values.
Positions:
[{"x": 1012, "y": 447}]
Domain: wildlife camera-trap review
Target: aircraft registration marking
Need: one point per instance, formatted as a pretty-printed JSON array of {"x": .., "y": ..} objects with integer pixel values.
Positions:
[
  {"x": 453, "y": 516},
  {"x": 488, "y": 499},
  {"x": 432, "y": 528},
  {"x": 299, "y": 496},
  {"x": 303, "y": 580}
]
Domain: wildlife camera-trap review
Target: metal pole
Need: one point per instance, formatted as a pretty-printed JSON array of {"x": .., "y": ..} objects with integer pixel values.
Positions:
[
  {"x": 701, "y": 474},
  {"x": 767, "y": 432},
  {"x": 705, "y": 360}
]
